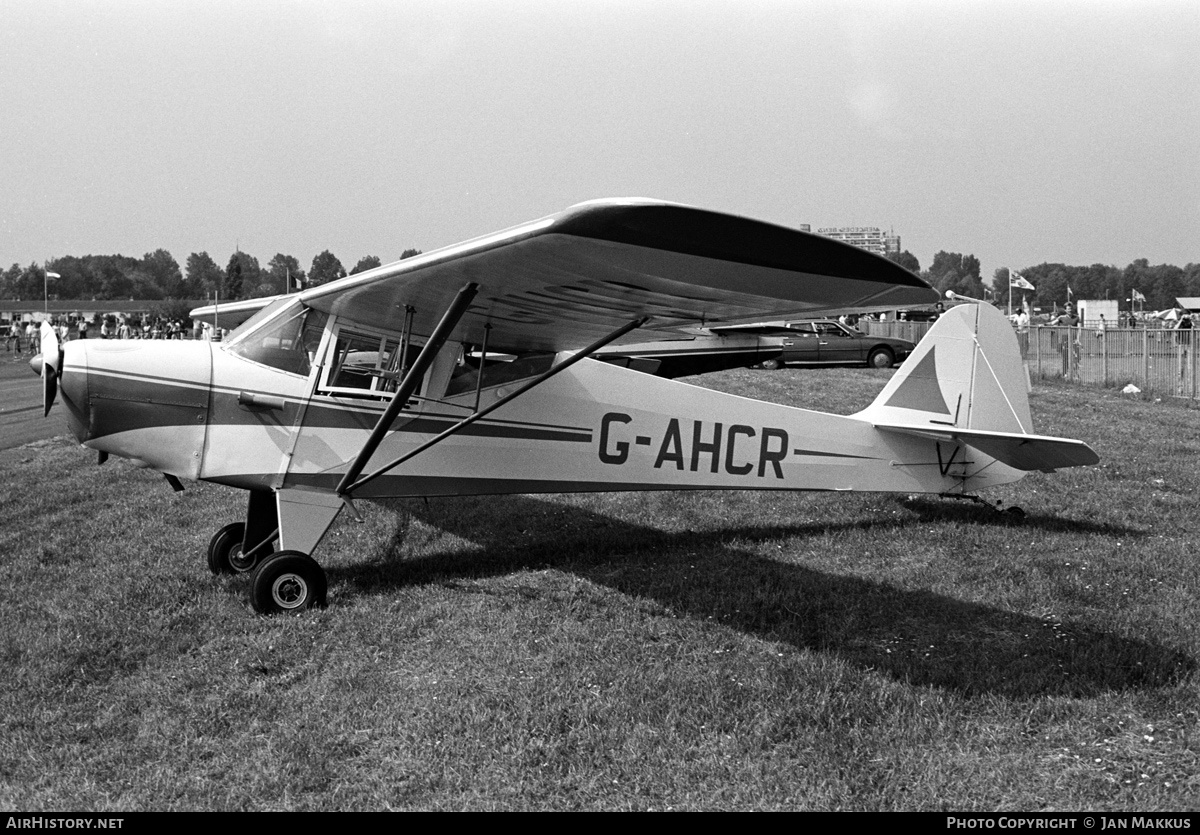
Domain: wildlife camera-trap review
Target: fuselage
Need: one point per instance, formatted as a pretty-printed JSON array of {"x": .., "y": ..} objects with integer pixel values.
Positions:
[{"x": 290, "y": 402}]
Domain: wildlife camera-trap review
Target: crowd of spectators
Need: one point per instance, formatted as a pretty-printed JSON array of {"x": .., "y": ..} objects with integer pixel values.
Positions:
[{"x": 25, "y": 337}]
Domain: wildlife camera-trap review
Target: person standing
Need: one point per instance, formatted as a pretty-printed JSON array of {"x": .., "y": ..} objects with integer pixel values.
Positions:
[
  {"x": 1023, "y": 331},
  {"x": 1184, "y": 329}
]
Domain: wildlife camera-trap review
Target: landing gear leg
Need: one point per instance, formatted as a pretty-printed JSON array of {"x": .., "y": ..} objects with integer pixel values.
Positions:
[
  {"x": 238, "y": 547},
  {"x": 290, "y": 580}
]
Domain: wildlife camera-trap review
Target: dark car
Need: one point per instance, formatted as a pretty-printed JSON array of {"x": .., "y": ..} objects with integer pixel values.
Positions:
[{"x": 827, "y": 342}]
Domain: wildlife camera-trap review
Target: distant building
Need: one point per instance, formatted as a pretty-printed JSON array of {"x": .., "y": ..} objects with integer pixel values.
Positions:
[
  {"x": 870, "y": 238},
  {"x": 1090, "y": 311}
]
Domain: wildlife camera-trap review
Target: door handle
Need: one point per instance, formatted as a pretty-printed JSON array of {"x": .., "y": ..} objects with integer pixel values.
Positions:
[{"x": 256, "y": 402}]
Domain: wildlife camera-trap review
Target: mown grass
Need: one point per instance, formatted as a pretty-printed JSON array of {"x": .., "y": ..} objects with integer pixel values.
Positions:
[{"x": 622, "y": 651}]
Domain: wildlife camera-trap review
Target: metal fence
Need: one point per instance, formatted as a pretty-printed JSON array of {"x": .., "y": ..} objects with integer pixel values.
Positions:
[
  {"x": 1158, "y": 361},
  {"x": 912, "y": 331}
]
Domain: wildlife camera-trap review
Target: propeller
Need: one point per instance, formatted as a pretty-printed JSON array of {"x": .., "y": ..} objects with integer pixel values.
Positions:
[{"x": 48, "y": 365}]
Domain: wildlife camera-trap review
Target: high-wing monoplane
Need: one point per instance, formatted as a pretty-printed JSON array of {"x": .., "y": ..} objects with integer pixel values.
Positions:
[{"x": 473, "y": 370}]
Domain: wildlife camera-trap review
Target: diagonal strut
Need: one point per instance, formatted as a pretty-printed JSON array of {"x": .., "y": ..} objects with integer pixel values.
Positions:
[
  {"x": 467, "y": 421},
  {"x": 430, "y": 350}
]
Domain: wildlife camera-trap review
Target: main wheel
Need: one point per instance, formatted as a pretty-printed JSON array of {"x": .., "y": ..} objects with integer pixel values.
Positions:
[
  {"x": 772, "y": 365},
  {"x": 225, "y": 551},
  {"x": 287, "y": 581},
  {"x": 880, "y": 358}
]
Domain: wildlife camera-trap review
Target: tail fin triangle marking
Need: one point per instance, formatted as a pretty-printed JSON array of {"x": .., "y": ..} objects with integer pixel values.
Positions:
[{"x": 920, "y": 391}]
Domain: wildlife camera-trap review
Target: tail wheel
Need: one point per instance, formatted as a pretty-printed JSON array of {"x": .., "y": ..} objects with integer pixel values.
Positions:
[
  {"x": 772, "y": 365},
  {"x": 880, "y": 358},
  {"x": 287, "y": 581},
  {"x": 225, "y": 551}
]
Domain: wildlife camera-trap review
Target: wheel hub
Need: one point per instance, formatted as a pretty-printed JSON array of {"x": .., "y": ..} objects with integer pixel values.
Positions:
[
  {"x": 289, "y": 591},
  {"x": 239, "y": 561}
]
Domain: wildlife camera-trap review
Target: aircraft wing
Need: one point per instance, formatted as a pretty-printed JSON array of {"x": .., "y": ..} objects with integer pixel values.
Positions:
[
  {"x": 229, "y": 315},
  {"x": 568, "y": 279}
]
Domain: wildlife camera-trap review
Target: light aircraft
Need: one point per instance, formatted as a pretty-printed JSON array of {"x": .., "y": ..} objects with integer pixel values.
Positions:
[{"x": 367, "y": 388}]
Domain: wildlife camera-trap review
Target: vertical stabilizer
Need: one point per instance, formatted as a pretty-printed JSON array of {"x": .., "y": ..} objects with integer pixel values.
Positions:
[{"x": 966, "y": 373}]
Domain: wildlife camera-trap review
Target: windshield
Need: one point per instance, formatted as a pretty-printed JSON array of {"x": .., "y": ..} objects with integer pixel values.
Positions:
[
  {"x": 288, "y": 341},
  {"x": 258, "y": 318}
]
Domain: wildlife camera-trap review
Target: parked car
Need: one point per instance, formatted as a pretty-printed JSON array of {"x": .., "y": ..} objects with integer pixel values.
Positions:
[{"x": 828, "y": 342}]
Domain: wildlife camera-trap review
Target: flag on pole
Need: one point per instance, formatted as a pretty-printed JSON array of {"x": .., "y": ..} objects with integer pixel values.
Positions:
[
  {"x": 1015, "y": 280},
  {"x": 1138, "y": 297},
  {"x": 1068, "y": 294},
  {"x": 52, "y": 275}
]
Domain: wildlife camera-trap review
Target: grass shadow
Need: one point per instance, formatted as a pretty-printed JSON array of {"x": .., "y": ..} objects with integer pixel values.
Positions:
[
  {"x": 973, "y": 513},
  {"x": 915, "y": 636}
]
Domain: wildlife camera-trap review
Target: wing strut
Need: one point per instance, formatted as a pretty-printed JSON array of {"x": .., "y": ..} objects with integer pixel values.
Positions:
[
  {"x": 467, "y": 421},
  {"x": 487, "y": 331},
  {"x": 430, "y": 350}
]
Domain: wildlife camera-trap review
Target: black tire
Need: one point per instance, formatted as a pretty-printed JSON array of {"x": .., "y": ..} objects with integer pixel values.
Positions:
[
  {"x": 225, "y": 551},
  {"x": 772, "y": 365},
  {"x": 287, "y": 581},
  {"x": 881, "y": 358}
]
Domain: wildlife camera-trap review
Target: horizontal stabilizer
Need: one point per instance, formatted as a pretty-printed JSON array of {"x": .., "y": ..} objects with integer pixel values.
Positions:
[{"x": 1017, "y": 450}]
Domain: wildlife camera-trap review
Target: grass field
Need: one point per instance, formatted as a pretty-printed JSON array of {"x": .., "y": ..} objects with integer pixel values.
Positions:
[{"x": 622, "y": 651}]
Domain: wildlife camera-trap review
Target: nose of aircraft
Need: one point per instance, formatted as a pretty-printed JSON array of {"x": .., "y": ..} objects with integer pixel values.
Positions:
[
  {"x": 72, "y": 376},
  {"x": 143, "y": 400}
]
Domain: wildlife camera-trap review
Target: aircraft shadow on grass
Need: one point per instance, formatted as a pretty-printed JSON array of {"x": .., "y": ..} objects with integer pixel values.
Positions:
[
  {"x": 919, "y": 637},
  {"x": 944, "y": 510}
]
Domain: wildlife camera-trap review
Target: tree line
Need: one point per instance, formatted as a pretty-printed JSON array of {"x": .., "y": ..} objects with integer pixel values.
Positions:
[
  {"x": 1139, "y": 286},
  {"x": 157, "y": 276},
  {"x": 1157, "y": 287}
]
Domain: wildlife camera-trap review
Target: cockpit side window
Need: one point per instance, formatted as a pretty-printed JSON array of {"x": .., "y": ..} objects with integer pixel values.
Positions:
[
  {"x": 355, "y": 362},
  {"x": 362, "y": 364},
  {"x": 498, "y": 369}
]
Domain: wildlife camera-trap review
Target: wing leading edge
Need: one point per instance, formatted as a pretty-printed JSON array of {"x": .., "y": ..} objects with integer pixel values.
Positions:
[{"x": 567, "y": 279}]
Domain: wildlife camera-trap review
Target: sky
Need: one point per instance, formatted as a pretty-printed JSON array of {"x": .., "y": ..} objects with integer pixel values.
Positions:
[{"x": 1019, "y": 132}]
